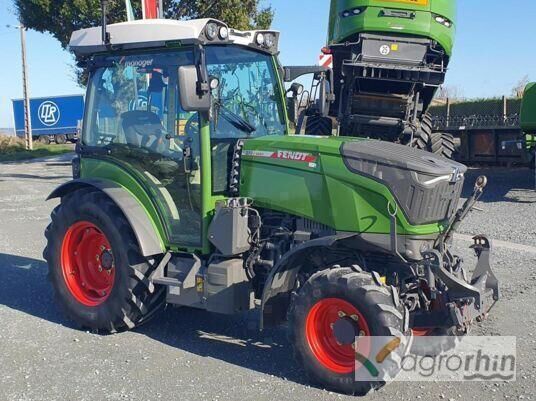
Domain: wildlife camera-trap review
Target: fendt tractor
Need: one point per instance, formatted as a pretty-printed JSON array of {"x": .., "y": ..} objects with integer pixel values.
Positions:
[
  {"x": 390, "y": 57},
  {"x": 189, "y": 190},
  {"x": 528, "y": 122}
]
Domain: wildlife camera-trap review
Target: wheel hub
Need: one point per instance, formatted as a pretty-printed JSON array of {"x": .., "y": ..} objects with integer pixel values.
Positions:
[
  {"x": 331, "y": 327},
  {"x": 87, "y": 263},
  {"x": 345, "y": 331},
  {"x": 107, "y": 259}
]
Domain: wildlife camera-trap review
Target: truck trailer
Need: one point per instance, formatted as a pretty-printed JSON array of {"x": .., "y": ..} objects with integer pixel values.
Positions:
[{"x": 54, "y": 119}]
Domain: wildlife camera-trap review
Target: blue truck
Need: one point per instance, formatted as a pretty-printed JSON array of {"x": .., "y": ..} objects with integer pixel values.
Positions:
[{"x": 54, "y": 119}]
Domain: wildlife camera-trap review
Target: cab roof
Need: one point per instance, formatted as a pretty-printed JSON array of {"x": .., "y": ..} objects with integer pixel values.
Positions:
[{"x": 151, "y": 33}]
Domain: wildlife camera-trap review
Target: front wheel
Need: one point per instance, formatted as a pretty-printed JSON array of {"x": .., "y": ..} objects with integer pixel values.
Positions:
[
  {"x": 331, "y": 310},
  {"x": 98, "y": 273}
]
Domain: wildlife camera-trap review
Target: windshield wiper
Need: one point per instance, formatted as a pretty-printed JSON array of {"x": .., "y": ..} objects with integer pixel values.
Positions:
[{"x": 235, "y": 120}]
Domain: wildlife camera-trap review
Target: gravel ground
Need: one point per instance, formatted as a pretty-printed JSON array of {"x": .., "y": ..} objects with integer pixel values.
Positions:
[{"x": 192, "y": 355}]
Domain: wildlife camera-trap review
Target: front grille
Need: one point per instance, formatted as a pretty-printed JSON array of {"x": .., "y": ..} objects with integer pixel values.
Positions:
[{"x": 420, "y": 181}]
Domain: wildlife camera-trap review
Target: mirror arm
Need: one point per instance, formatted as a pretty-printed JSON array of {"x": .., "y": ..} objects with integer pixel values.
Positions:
[{"x": 202, "y": 74}]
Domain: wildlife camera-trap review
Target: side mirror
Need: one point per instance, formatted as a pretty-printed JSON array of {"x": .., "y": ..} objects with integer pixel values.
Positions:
[
  {"x": 192, "y": 98},
  {"x": 295, "y": 89}
]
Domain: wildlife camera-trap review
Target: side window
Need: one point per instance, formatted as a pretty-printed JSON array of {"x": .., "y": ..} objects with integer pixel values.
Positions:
[
  {"x": 134, "y": 111},
  {"x": 130, "y": 106}
]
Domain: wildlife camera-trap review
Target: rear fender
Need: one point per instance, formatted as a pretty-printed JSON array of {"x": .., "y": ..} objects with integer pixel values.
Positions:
[{"x": 148, "y": 238}]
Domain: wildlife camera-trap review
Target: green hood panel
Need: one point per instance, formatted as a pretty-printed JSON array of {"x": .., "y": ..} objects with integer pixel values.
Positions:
[
  {"x": 306, "y": 176},
  {"x": 528, "y": 109}
]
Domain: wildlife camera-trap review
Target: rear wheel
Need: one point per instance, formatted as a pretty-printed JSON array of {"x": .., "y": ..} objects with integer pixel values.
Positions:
[
  {"x": 422, "y": 136},
  {"x": 95, "y": 265},
  {"x": 442, "y": 144},
  {"x": 44, "y": 139},
  {"x": 60, "y": 139},
  {"x": 326, "y": 315}
]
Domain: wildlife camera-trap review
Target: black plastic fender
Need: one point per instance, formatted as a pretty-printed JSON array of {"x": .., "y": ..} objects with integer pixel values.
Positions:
[
  {"x": 282, "y": 279},
  {"x": 148, "y": 238}
]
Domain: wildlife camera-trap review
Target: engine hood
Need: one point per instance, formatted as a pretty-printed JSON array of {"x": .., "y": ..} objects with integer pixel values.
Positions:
[{"x": 349, "y": 183}]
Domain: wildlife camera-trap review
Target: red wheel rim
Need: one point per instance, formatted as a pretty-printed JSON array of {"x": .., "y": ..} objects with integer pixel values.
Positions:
[
  {"x": 418, "y": 332},
  {"x": 87, "y": 264},
  {"x": 337, "y": 357}
]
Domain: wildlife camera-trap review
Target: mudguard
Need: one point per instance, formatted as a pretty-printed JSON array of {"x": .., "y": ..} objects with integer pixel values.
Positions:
[
  {"x": 148, "y": 238},
  {"x": 282, "y": 279}
]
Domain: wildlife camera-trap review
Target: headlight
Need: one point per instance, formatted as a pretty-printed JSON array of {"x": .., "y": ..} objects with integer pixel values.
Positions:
[
  {"x": 260, "y": 39},
  {"x": 353, "y": 12},
  {"x": 443, "y": 21},
  {"x": 224, "y": 33},
  {"x": 269, "y": 40},
  {"x": 212, "y": 31}
]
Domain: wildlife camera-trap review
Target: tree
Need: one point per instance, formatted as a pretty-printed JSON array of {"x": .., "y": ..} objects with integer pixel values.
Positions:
[
  {"x": 61, "y": 17},
  {"x": 519, "y": 89}
]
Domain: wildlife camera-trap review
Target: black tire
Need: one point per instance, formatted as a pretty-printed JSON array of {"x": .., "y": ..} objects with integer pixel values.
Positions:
[
  {"x": 442, "y": 144},
  {"x": 422, "y": 136},
  {"x": 443, "y": 340},
  {"x": 378, "y": 304},
  {"x": 318, "y": 125},
  {"x": 44, "y": 139},
  {"x": 60, "y": 139},
  {"x": 133, "y": 299}
]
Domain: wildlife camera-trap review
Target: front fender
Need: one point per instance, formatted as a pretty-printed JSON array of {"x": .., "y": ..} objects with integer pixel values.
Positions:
[
  {"x": 148, "y": 238},
  {"x": 282, "y": 279}
]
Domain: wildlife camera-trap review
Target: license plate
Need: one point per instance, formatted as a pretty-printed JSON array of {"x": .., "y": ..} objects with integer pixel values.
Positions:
[{"x": 415, "y": 2}]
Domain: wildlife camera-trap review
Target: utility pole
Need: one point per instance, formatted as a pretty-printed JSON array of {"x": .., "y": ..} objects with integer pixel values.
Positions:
[{"x": 25, "y": 90}]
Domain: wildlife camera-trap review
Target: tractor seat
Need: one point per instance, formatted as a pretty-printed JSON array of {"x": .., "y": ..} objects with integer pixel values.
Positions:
[{"x": 141, "y": 127}]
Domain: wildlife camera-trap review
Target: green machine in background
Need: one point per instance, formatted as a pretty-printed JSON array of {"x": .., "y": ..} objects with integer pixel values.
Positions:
[
  {"x": 528, "y": 121},
  {"x": 390, "y": 57}
]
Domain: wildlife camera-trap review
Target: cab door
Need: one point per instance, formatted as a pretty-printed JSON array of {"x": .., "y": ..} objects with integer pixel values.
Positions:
[{"x": 134, "y": 113}]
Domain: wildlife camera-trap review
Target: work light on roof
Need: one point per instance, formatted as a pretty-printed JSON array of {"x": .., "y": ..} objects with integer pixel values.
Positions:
[
  {"x": 260, "y": 39},
  {"x": 212, "y": 31},
  {"x": 224, "y": 32},
  {"x": 269, "y": 40}
]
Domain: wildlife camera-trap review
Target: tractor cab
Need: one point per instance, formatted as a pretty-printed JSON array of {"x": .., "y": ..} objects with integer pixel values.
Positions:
[{"x": 168, "y": 101}]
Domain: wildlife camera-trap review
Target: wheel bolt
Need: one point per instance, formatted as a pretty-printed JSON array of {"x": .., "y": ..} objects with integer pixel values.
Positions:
[
  {"x": 362, "y": 333},
  {"x": 341, "y": 314},
  {"x": 100, "y": 269},
  {"x": 103, "y": 293},
  {"x": 355, "y": 318},
  {"x": 332, "y": 325},
  {"x": 97, "y": 257}
]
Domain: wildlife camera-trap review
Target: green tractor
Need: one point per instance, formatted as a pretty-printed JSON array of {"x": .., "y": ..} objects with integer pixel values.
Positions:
[
  {"x": 528, "y": 122},
  {"x": 390, "y": 57},
  {"x": 189, "y": 190}
]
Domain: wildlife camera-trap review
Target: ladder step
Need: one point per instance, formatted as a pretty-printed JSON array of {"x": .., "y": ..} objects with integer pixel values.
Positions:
[{"x": 170, "y": 282}]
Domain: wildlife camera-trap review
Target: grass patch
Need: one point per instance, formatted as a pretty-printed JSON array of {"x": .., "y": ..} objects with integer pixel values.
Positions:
[{"x": 12, "y": 149}]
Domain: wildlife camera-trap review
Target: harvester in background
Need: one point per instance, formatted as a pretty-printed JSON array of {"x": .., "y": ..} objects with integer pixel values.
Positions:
[{"x": 389, "y": 59}]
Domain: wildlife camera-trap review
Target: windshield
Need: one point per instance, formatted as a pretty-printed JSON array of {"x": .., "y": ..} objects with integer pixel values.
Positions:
[{"x": 247, "y": 102}]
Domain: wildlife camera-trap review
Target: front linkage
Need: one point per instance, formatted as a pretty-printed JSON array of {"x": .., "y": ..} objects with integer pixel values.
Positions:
[{"x": 450, "y": 299}]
